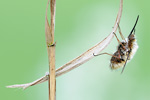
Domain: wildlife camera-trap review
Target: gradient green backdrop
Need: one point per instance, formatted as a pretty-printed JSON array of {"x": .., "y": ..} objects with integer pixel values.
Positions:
[{"x": 80, "y": 24}]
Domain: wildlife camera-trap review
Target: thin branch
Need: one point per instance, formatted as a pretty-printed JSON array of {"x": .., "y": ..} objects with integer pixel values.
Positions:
[
  {"x": 86, "y": 56},
  {"x": 49, "y": 33}
]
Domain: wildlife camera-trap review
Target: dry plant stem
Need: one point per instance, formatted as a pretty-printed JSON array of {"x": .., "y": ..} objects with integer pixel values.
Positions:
[
  {"x": 52, "y": 78},
  {"x": 89, "y": 53},
  {"x": 49, "y": 33}
]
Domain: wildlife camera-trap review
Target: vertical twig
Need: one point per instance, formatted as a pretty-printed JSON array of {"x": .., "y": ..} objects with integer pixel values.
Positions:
[{"x": 49, "y": 30}]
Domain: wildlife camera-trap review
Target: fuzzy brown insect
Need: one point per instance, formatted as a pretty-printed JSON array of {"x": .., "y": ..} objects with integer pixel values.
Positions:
[{"x": 125, "y": 50}]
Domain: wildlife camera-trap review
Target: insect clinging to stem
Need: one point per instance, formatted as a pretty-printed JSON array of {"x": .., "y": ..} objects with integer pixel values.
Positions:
[{"x": 125, "y": 50}]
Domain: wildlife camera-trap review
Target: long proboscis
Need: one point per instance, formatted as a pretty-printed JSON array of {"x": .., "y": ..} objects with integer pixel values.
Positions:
[{"x": 134, "y": 26}]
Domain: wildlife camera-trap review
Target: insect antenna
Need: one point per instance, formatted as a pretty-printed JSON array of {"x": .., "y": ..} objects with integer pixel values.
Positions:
[
  {"x": 133, "y": 29},
  {"x": 125, "y": 63}
]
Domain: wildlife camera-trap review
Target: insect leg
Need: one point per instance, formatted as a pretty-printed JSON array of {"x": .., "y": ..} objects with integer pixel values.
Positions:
[
  {"x": 121, "y": 33},
  {"x": 105, "y": 53},
  {"x": 125, "y": 61},
  {"x": 118, "y": 40}
]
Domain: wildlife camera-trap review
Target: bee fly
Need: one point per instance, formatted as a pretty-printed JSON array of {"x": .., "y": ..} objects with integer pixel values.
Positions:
[{"x": 125, "y": 50}]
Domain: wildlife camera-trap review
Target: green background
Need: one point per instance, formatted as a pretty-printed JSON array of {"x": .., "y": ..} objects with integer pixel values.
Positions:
[{"x": 80, "y": 24}]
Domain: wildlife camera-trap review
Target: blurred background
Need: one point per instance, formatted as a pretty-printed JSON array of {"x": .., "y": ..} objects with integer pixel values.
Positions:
[{"x": 80, "y": 24}]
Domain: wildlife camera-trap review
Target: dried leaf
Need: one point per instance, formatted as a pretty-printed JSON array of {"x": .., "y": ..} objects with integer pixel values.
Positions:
[
  {"x": 80, "y": 59},
  {"x": 47, "y": 27}
]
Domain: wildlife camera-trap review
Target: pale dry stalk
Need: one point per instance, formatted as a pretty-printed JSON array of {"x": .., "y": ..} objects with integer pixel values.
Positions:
[
  {"x": 49, "y": 33},
  {"x": 86, "y": 56}
]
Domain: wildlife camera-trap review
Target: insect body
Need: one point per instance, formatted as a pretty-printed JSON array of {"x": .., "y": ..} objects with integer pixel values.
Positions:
[
  {"x": 125, "y": 50},
  {"x": 119, "y": 57}
]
